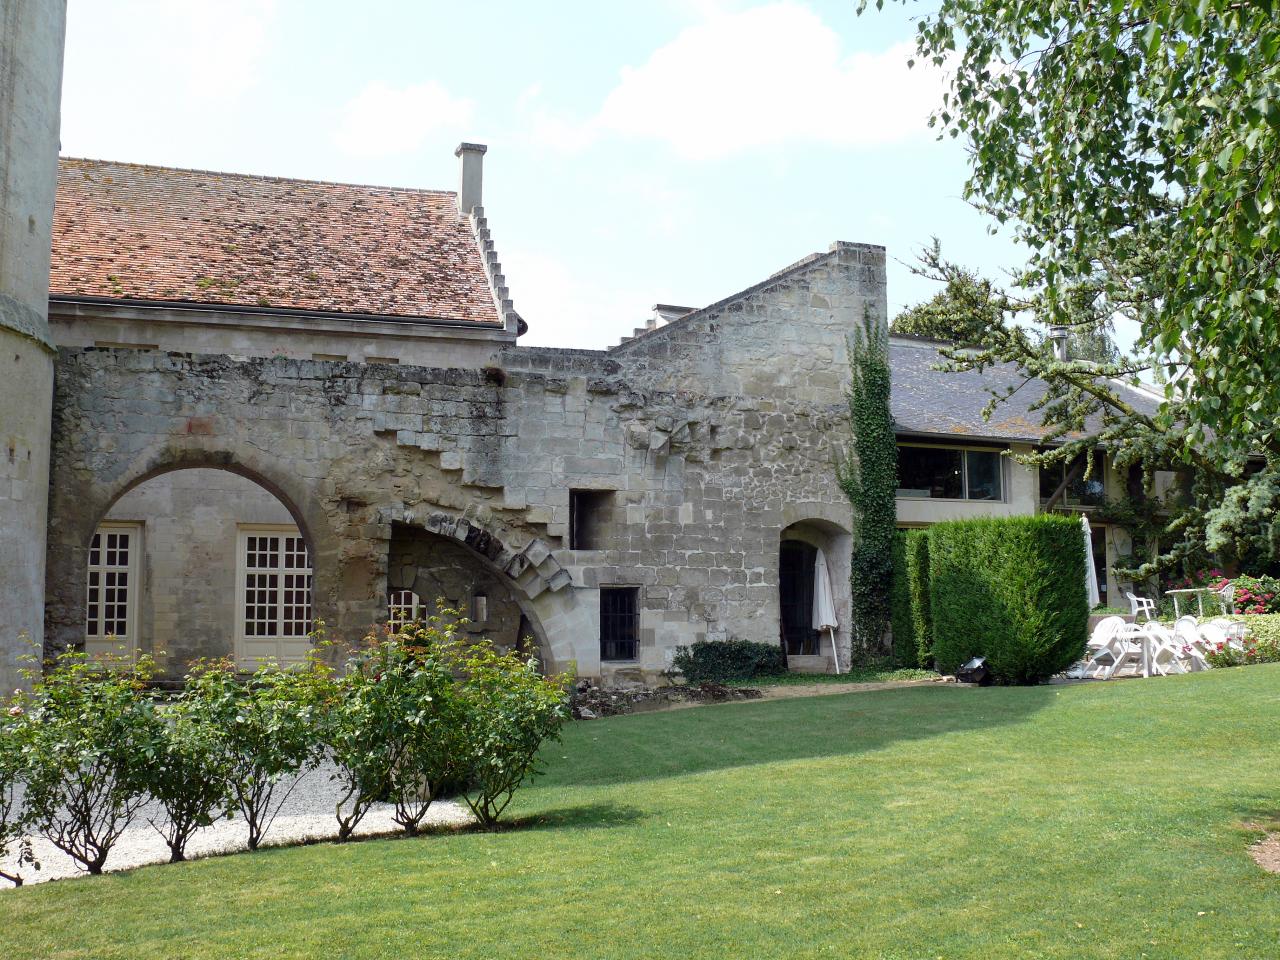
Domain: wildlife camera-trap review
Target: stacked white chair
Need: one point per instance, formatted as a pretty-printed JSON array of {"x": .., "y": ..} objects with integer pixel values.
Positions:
[
  {"x": 1098, "y": 645},
  {"x": 1166, "y": 651},
  {"x": 1186, "y": 633}
]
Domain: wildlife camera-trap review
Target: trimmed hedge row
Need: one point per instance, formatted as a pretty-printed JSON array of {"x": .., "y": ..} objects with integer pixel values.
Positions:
[
  {"x": 912, "y": 621},
  {"x": 1010, "y": 589}
]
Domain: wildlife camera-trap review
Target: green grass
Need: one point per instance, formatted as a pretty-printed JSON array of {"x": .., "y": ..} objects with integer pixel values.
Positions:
[
  {"x": 1100, "y": 820},
  {"x": 858, "y": 674}
]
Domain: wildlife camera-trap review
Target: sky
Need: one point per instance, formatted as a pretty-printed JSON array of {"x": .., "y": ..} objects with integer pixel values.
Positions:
[{"x": 671, "y": 151}]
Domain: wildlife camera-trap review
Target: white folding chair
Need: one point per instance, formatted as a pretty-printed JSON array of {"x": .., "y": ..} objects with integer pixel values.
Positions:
[
  {"x": 1120, "y": 649},
  {"x": 1140, "y": 606},
  {"x": 1186, "y": 633},
  {"x": 1096, "y": 646},
  {"x": 1165, "y": 651}
]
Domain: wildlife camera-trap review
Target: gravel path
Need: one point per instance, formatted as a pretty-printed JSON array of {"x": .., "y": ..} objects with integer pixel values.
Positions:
[{"x": 307, "y": 815}]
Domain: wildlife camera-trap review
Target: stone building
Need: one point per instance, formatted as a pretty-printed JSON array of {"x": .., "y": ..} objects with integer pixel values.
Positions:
[
  {"x": 280, "y": 401},
  {"x": 31, "y": 33}
]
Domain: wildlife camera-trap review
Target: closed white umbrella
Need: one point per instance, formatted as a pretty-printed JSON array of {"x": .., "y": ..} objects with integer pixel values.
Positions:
[
  {"x": 824, "y": 604},
  {"x": 1090, "y": 570}
]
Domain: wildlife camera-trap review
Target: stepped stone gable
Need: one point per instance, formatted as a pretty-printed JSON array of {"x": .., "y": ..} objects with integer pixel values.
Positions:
[{"x": 713, "y": 433}]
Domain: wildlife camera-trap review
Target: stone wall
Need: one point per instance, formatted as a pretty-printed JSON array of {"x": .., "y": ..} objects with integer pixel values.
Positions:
[
  {"x": 711, "y": 444},
  {"x": 189, "y": 524},
  {"x": 31, "y": 35}
]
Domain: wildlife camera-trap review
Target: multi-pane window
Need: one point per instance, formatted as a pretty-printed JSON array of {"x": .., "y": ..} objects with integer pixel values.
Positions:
[
  {"x": 112, "y": 589},
  {"x": 275, "y": 589},
  {"x": 947, "y": 473},
  {"x": 619, "y": 623},
  {"x": 1080, "y": 492},
  {"x": 403, "y": 608}
]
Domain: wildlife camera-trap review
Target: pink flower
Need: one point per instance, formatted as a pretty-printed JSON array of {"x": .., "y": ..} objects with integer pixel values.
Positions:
[{"x": 15, "y": 711}]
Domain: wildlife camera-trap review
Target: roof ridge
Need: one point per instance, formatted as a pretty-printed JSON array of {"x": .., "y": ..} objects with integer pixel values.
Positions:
[{"x": 256, "y": 176}]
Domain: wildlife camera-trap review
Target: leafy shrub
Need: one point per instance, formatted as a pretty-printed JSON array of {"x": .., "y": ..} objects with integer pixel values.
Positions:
[
  {"x": 1261, "y": 644},
  {"x": 1253, "y": 595},
  {"x": 392, "y": 724},
  {"x": 267, "y": 729},
  {"x": 190, "y": 773},
  {"x": 1010, "y": 589},
  {"x": 88, "y": 734},
  {"x": 13, "y": 813},
  {"x": 507, "y": 709},
  {"x": 715, "y": 661}
]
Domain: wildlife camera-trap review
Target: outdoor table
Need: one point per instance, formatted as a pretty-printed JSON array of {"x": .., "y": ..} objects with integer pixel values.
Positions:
[
  {"x": 1138, "y": 634},
  {"x": 1198, "y": 591}
]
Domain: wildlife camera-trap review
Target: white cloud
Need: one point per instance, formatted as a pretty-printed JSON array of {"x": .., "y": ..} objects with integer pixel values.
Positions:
[
  {"x": 383, "y": 120},
  {"x": 765, "y": 76},
  {"x": 568, "y": 310},
  {"x": 142, "y": 75}
]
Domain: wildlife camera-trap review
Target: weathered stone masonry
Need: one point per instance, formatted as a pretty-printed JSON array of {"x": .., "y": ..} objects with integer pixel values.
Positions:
[{"x": 716, "y": 433}]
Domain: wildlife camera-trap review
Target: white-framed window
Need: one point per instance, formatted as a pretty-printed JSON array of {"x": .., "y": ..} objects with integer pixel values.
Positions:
[
  {"x": 113, "y": 590},
  {"x": 930, "y": 472},
  {"x": 403, "y": 607},
  {"x": 273, "y": 595}
]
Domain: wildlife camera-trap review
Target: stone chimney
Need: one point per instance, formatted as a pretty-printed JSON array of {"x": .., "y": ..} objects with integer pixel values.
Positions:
[{"x": 470, "y": 175}]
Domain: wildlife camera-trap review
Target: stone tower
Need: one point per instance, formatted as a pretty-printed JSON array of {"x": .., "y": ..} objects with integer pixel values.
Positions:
[{"x": 31, "y": 40}]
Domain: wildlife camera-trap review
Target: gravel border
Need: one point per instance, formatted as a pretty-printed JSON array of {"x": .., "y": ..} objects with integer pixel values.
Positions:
[{"x": 307, "y": 815}]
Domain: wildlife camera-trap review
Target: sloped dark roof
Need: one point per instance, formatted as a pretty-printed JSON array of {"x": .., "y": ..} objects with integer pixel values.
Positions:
[
  {"x": 926, "y": 401},
  {"x": 133, "y": 232}
]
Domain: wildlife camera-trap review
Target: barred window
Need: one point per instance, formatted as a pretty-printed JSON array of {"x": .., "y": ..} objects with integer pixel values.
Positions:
[{"x": 619, "y": 623}]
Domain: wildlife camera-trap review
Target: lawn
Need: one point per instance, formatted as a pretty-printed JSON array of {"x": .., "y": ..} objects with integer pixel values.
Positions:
[{"x": 1100, "y": 820}]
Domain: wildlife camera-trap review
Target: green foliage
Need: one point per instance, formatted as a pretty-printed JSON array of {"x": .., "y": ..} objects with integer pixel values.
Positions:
[
  {"x": 392, "y": 723},
  {"x": 869, "y": 478},
  {"x": 1134, "y": 147},
  {"x": 1261, "y": 644},
  {"x": 189, "y": 776},
  {"x": 14, "y": 815},
  {"x": 961, "y": 313},
  {"x": 916, "y": 549},
  {"x": 900, "y": 620},
  {"x": 506, "y": 711},
  {"x": 266, "y": 728},
  {"x": 912, "y": 624},
  {"x": 719, "y": 661},
  {"x": 1011, "y": 590},
  {"x": 88, "y": 733}
]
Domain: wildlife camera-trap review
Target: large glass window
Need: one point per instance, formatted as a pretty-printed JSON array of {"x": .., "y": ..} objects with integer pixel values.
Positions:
[
  {"x": 1080, "y": 492},
  {"x": 112, "y": 592},
  {"x": 942, "y": 473},
  {"x": 274, "y": 586}
]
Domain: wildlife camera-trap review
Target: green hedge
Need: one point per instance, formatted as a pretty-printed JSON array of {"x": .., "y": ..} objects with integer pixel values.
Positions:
[
  {"x": 917, "y": 556},
  {"x": 715, "y": 661},
  {"x": 1012, "y": 590},
  {"x": 912, "y": 627}
]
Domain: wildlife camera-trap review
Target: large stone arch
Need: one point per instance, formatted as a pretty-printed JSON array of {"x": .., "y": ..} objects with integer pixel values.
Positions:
[
  {"x": 536, "y": 579},
  {"x": 81, "y": 498}
]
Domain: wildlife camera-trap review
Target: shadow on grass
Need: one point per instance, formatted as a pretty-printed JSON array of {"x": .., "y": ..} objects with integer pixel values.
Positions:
[
  {"x": 655, "y": 745},
  {"x": 585, "y": 816}
]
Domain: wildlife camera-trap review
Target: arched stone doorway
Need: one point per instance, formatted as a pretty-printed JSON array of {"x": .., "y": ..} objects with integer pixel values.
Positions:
[
  {"x": 799, "y": 546},
  {"x": 438, "y": 572}
]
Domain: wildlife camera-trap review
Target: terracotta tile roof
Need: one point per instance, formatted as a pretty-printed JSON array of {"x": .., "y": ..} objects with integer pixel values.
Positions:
[{"x": 123, "y": 230}]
